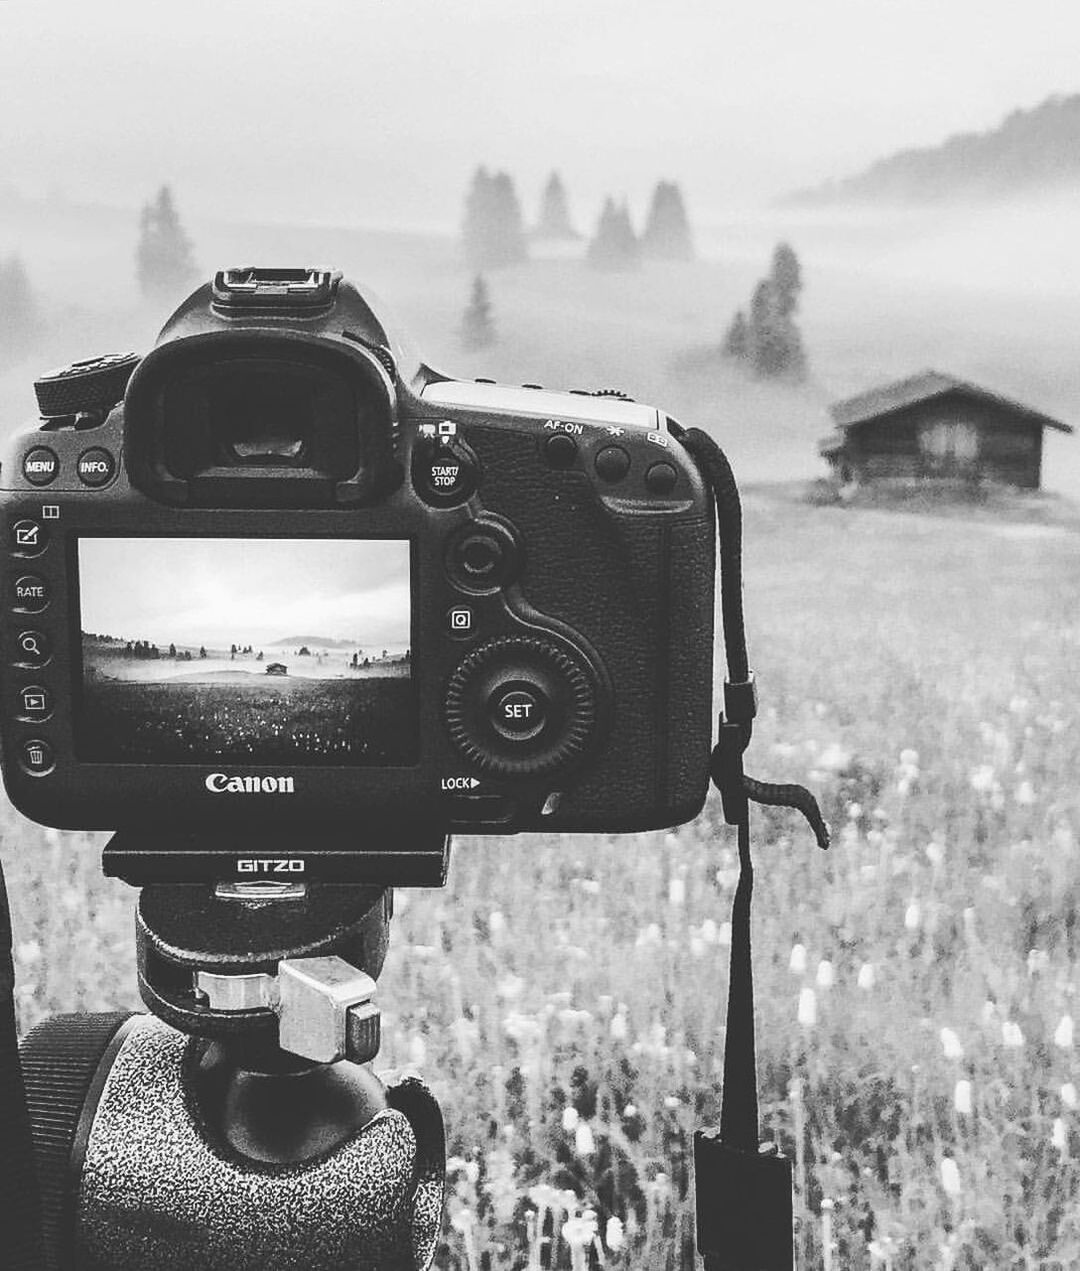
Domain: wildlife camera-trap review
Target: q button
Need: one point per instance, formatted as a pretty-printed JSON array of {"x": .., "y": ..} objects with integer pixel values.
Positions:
[{"x": 33, "y": 649}]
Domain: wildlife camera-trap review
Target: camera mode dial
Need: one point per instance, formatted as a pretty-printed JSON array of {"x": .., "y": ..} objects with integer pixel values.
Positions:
[
  {"x": 521, "y": 705},
  {"x": 94, "y": 385}
]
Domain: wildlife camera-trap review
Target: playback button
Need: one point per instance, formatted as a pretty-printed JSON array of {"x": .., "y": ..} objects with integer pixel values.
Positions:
[{"x": 35, "y": 704}]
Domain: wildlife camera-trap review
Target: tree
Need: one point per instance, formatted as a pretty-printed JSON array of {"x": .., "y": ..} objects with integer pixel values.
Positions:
[
  {"x": 554, "y": 222},
  {"x": 18, "y": 307},
  {"x": 614, "y": 246},
  {"x": 202, "y": 650},
  {"x": 477, "y": 327},
  {"x": 172, "y": 650},
  {"x": 492, "y": 233},
  {"x": 786, "y": 278},
  {"x": 164, "y": 264},
  {"x": 667, "y": 228},
  {"x": 303, "y": 652},
  {"x": 737, "y": 341}
]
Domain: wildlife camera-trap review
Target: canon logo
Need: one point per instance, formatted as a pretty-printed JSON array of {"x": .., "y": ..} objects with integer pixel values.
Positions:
[{"x": 221, "y": 783}]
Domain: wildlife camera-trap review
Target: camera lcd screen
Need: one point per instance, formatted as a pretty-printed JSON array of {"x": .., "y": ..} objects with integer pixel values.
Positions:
[{"x": 246, "y": 651}]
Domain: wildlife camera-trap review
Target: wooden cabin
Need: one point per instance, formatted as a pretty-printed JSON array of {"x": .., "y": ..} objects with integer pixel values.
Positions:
[
  {"x": 932, "y": 427},
  {"x": 277, "y": 668}
]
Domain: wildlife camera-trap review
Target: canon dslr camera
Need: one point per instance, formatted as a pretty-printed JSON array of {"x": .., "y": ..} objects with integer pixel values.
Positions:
[{"x": 279, "y": 595}]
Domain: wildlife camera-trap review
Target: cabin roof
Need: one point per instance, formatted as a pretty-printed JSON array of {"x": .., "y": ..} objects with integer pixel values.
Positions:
[{"x": 924, "y": 387}]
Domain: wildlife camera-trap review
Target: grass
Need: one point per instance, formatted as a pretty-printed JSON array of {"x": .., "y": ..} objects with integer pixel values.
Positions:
[{"x": 565, "y": 998}]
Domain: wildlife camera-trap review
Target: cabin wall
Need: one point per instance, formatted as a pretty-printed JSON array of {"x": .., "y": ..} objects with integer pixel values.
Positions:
[{"x": 949, "y": 437}]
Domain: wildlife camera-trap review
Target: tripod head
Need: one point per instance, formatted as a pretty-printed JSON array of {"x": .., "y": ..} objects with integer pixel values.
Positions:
[{"x": 241, "y": 1124}]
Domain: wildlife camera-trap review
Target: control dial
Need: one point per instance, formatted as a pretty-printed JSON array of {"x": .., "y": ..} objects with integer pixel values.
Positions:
[
  {"x": 94, "y": 385},
  {"x": 521, "y": 705}
]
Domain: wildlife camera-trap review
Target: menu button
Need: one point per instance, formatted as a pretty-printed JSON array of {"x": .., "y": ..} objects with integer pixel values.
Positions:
[{"x": 40, "y": 465}]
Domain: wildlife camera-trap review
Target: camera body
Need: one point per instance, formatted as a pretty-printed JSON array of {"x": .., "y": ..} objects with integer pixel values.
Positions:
[{"x": 286, "y": 581}]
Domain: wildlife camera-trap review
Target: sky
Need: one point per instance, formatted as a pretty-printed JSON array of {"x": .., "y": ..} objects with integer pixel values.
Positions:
[
  {"x": 375, "y": 113},
  {"x": 218, "y": 591}
]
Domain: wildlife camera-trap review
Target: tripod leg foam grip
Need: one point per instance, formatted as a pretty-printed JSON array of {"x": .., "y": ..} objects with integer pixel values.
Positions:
[{"x": 744, "y": 1207}]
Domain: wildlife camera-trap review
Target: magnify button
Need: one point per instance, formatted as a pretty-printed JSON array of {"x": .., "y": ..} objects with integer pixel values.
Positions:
[{"x": 33, "y": 648}]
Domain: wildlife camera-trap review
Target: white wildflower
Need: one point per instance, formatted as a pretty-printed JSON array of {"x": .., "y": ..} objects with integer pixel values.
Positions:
[
  {"x": 962, "y": 1097},
  {"x": 709, "y": 931},
  {"x": 935, "y": 854},
  {"x": 570, "y": 1119},
  {"x": 950, "y": 1044},
  {"x": 1024, "y": 794},
  {"x": 676, "y": 891},
  {"x": 1068, "y": 1095},
  {"x": 1063, "y": 1034},
  {"x": 982, "y": 779},
  {"x": 807, "y": 1008},
  {"x": 826, "y": 977},
  {"x": 584, "y": 1143},
  {"x": 1058, "y": 1135},
  {"x": 417, "y": 1051},
  {"x": 614, "y": 1236},
  {"x": 866, "y": 976},
  {"x": 496, "y": 922},
  {"x": 618, "y": 1028},
  {"x": 950, "y": 1177},
  {"x": 1011, "y": 1034},
  {"x": 854, "y": 811},
  {"x": 912, "y": 916},
  {"x": 797, "y": 961}
]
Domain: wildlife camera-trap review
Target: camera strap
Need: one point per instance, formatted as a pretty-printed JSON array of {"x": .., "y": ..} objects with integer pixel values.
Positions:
[{"x": 743, "y": 1189}]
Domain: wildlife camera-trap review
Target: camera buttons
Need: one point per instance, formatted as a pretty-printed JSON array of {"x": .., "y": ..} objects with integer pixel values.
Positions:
[
  {"x": 40, "y": 465},
  {"x": 560, "y": 450},
  {"x": 444, "y": 471},
  {"x": 481, "y": 556},
  {"x": 96, "y": 467},
  {"x": 661, "y": 478},
  {"x": 34, "y": 649},
  {"x": 29, "y": 594},
  {"x": 460, "y": 622},
  {"x": 37, "y": 757},
  {"x": 35, "y": 704},
  {"x": 518, "y": 711},
  {"x": 29, "y": 538},
  {"x": 612, "y": 464}
]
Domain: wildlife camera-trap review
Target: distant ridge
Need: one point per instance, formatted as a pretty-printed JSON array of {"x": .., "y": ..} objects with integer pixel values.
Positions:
[
  {"x": 1030, "y": 152},
  {"x": 324, "y": 642}
]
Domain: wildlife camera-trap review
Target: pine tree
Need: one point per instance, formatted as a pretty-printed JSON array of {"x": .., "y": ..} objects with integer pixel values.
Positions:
[
  {"x": 18, "y": 308},
  {"x": 737, "y": 340},
  {"x": 667, "y": 229},
  {"x": 554, "y": 222},
  {"x": 492, "y": 232},
  {"x": 163, "y": 261},
  {"x": 477, "y": 327},
  {"x": 786, "y": 278},
  {"x": 614, "y": 246}
]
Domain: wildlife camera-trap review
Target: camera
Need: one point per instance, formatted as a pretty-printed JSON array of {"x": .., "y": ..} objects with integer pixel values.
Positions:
[{"x": 279, "y": 581}]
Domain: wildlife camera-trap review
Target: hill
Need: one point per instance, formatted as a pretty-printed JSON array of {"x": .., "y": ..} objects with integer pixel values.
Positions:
[{"x": 1032, "y": 151}]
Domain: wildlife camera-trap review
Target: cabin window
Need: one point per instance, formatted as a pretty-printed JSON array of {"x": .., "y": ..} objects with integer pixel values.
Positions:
[{"x": 949, "y": 441}]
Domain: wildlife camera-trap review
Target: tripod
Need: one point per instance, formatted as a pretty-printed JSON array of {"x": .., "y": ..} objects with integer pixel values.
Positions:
[{"x": 238, "y": 1126}]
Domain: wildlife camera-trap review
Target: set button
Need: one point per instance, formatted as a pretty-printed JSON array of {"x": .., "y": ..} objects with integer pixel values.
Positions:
[
  {"x": 519, "y": 710},
  {"x": 96, "y": 467},
  {"x": 29, "y": 594},
  {"x": 40, "y": 465}
]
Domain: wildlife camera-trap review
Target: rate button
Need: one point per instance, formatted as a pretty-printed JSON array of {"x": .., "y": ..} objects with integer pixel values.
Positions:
[{"x": 29, "y": 594}]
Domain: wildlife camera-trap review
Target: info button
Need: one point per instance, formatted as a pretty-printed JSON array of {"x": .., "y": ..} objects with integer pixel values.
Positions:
[{"x": 95, "y": 467}]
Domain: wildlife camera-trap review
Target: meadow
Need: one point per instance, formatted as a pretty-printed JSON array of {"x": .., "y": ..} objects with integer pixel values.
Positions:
[{"x": 916, "y": 985}]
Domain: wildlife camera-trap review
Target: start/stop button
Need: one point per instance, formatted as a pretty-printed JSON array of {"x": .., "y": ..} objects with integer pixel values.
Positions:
[{"x": 444, "y": 472}]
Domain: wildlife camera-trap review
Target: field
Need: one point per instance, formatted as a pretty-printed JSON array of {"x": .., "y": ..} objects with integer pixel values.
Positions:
[
  {"x": 269, "y": 721},
  {"x": 915, "y": 986}
]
